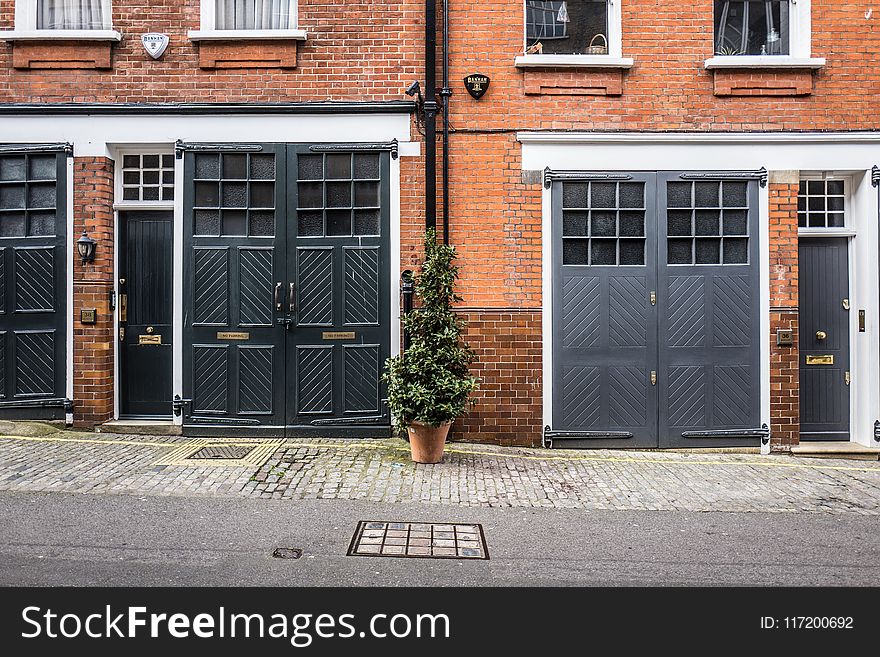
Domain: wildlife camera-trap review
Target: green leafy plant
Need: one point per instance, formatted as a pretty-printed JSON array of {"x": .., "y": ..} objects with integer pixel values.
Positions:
[
  {"x": 430, "y": 382},
  {"x": 728, "y": 51}
]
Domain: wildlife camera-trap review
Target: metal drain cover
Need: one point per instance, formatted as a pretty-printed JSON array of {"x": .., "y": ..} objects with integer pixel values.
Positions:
[
  {"x": 287, "y": 553},
  {"x": 228, "y": 452},
  {"x": 374, "y": 538}
]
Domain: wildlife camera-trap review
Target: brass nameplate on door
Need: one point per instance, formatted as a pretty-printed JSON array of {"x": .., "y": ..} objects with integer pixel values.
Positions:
[
  {"x": 233, "y": 336},
  {"x": 149, "y": 339},
  {"x": 338, "y": 335},
  {"x": 820, "y": 360}
]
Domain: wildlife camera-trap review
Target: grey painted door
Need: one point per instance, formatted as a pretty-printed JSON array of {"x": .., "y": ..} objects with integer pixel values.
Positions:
[
  {"x": 145, "y": 275},
  {"x": 656, "y": 311},
  {"x": 605, "y": 326},
  {"x": 33, "y": 299},
  {"x": 824, "y": 338},
  {"x": 709, "y": 299},
  {"x": 286, "y": 271}
]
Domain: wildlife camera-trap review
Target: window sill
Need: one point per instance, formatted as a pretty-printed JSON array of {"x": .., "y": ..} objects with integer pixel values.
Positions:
[
  {"x": 60, "y": 35},
  {"x": 573, "y": 61},
  {"x": 236, "y": 35},
  {"x": 764, "y": 62}
]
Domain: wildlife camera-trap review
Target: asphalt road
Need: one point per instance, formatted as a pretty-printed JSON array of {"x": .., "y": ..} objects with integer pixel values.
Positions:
[{"x": 107, "y": 540}]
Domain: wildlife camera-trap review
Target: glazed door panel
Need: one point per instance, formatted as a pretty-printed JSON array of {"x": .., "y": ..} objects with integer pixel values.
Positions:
[{"x": 33, "y": 284}]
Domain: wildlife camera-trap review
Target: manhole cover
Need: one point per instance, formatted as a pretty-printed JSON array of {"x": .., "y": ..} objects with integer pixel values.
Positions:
[
  {"x": 418, "y": 540},
  {"x": 222, "y": 452},
  {"x": 287, "y": 553}
]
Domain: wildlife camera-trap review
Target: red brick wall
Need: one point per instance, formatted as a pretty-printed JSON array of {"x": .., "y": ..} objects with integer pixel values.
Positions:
[
  {"x": 508, "y": 406},
  {"x": 784, "y": 361},
  {"x": 92, "y": 283},
  {"x": 359, "y": 50}
]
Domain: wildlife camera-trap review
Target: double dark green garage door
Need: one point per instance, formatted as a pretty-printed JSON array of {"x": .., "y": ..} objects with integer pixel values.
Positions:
[{"x": 287, "y": 299}]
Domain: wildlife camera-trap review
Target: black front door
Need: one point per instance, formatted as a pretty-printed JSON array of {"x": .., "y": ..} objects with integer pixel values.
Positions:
[
  {"x": 656, "y": 310},
  {"x": 824, "y": 338},
  {"x": 287, "y": 317},
  {"x": 33, "y": 298},
  {"x": 145, "y": 335}
]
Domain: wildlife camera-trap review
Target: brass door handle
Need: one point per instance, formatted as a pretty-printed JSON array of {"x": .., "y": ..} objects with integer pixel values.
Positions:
[{"x": 821, "y": 335}]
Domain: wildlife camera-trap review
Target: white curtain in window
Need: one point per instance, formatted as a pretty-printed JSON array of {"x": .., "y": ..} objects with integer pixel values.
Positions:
[
  {"x": 71, "y": 15},
  {"x": 252, "y": 14}
]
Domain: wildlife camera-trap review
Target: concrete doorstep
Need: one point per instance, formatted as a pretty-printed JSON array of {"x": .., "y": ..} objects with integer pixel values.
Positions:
[{"x": 846, "y": 450}]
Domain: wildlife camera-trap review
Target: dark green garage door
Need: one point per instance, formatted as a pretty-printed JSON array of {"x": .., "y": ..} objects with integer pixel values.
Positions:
[
  {"x": 287, "y": 297},
  {"x": 33, "y": 297},
  {"x": 656, "y": 310}
]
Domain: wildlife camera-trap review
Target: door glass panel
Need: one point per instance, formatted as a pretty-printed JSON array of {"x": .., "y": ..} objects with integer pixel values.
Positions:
[
  {"x": 240, "y": 203},
  {"x": 602, "y": 212},
  {"x": 28, "y": 195},
  {"x": 699, "y": 234},
  {"x": 339, "y": 194}
]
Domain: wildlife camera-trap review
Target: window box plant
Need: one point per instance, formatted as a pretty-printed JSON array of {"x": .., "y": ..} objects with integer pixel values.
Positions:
[{"x": 429, "y": 385}]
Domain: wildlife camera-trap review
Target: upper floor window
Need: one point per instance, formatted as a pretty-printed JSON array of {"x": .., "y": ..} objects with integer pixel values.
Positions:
[
  {"x": 572, "y": 33},
  {"x": 258, "y": 19},
  {"x": 567, "y": 27},
  {"x": 752, "y": 27},
  {"x": 254, "y": 14},
  {"x": 63, "y": 19},
  {"x": 72, "y": 14}
]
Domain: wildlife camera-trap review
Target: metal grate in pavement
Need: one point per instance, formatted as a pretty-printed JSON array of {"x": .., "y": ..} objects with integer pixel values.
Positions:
[
  {"x": 222, "y": 452},
  {"x": 218, "y": 453},
  {"x": 374, "y": 538}
]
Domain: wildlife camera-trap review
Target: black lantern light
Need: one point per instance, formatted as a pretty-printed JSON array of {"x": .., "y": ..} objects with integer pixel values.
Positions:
[{"x": 85, "y": 246}]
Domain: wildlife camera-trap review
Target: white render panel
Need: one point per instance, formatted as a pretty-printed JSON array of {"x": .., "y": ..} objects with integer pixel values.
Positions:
[{"x": 92, "y": 135}]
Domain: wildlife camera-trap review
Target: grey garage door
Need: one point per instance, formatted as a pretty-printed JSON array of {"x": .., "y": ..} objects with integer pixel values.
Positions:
[
  {"x": 287, "y": 307},
  {"x": 33, "y": 301},
  {"x": 656, "y": 319}
]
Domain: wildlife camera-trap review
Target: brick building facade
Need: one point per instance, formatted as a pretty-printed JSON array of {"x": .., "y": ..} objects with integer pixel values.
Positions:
[{"x": 767, "y": 112}]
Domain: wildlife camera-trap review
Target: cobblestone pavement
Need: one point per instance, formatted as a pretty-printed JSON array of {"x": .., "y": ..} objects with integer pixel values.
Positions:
[{"x": 471, "y": 475}]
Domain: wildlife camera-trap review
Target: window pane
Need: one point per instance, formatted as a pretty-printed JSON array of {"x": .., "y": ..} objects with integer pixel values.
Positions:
[
  {"x": 752, "y": 27},
  {"x": 575, "y": 252},
  {"x": 366, "y": 222},
  {"x": 632, "y": 252},
  {"x": 574, "y": 224},
  {"x": 567, "y": 27},
  {"x": 253, "y": 14},
  {"x": 603, "y": 252},
  {"x": 603, "y": 224},
  {"x": 66, "y": 15},
  {"x": 311, "y": 224}
]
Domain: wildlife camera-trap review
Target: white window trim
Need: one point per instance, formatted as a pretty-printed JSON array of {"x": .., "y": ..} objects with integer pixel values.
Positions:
[
  {"x": 119, "y": 203},
  {"x": 26, "y": 27},
  {"x": 848, "y": 229},
  {"x": 208, "y": 32},
  {"x": 800, "y": 46},
  {"x": 614, "y": 58}
]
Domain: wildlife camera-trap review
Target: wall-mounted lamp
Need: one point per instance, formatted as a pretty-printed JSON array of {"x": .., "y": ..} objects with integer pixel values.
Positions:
[{"x": 86, "y": 246}]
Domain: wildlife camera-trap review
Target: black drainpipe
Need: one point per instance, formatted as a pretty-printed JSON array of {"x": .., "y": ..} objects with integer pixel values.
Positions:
[
  {"x": 430, "y": 107},
  {"x": 445, "y": 93}
]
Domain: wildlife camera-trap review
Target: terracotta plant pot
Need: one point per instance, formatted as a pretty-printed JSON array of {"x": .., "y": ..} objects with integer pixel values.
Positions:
[{"x": 426, "y": 443}]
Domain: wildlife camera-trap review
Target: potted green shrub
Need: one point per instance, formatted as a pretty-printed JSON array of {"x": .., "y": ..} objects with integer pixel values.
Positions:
[{"x": 429, "y": 385}]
